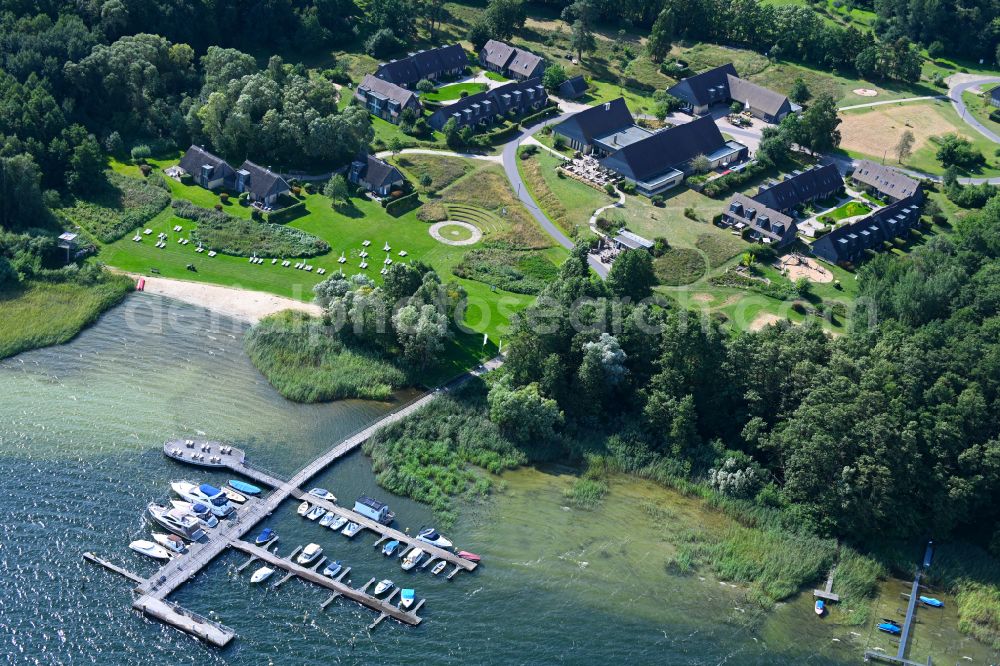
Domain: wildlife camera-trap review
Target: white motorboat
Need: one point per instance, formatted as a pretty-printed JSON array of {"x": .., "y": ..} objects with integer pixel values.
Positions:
[
  {"x": 327, "y": 519},
  {"x": 383, "y": 586},
  {"x": 309, "y": 554},
  {"x": 150, "y": 549},
  {"x": 323, "y": 493},
  {"x": 338, "y": 522},
  {"x": 303, "y": 508},
  {"x": 315, "y": 512},
  {"x": 261, "y": 575},
  {"x": 198, "y": 510},
  {"x": 434, "y": 538},
  {"x": 179, "y": 522},
  {"x": 233, "y": 496},
  {"x": 351, "y": 530},
  {"x": 439, "y": 567},
  {"x": 210, "y": 496},
  {"x": 171, "y": 542},
  {"x": 411, "y": 559}
]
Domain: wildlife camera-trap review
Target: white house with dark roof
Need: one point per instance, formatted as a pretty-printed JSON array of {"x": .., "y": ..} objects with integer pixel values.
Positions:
[
  {"x": 516, "y": 98},
  {"x": 432, "y": 64},
  {"x": 386, "y": 100},
  {"x": 757, "y": 222},
  {"x": 207, "y": 170},
  {"x": 886, "y": 182},
  {"x": 722, "y": 85},
  {"x": 375, "y": 175},
  {"x": 263, "y": 185},
  {"x": 511, "y": 61}
]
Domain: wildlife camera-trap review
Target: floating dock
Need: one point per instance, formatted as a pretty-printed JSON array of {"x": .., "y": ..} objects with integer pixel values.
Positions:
[
  {"x": 911, "y": 610},
  {"x": 151, "y": 593}
]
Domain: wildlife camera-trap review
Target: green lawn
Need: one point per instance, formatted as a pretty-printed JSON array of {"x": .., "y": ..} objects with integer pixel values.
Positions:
[
  {"x": 344, "y": 230},
  {"x": 849, "y": 209},
  {"x": 566, "y": 201},
  {"x": 453, "y": 92},
  {"x": 980, "y": 108},
  {"x": 39, "y": 314},
  {"x": 495, "y": 76}
]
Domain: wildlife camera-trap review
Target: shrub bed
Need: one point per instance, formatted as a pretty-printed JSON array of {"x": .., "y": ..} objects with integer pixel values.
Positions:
[
  {"x": 286, "y": 214},
  {"x": 679, "y": 265},
  {"x": 731, "y": 278},
  {"x": 547, "y": 112},
  {"x": 733, "y": 181},
  {"x": 120, "y": 206},
  {"x": 521, "y": 272},
  {"x": 236, "y": 236},
  {"x": 397, "y": 207}
]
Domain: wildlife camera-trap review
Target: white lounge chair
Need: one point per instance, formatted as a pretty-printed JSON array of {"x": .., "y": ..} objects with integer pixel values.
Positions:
[
  {"x": 366, "y": 243},
  {"x": 364, "y": 264},
  {"x": 321, "y": 271},
  {"x": 402, "y": 253},
  {"x": 342, "y": 260},
  {"x": 148, "y": 231},
  {"x": 212, "y": 253},
  {"x": 274, "y": 261},
  {"x": 309, "y": 269}
]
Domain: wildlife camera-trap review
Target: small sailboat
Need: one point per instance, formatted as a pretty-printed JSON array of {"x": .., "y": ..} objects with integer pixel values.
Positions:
[
  {"x": 820, "y": 607},
  {"x": 390, "y": 548},
  {"x": 384, "y": 586},
  {"x": 338, "y": 522},
  {"x": 244, "y": 487},
  {"x": 931, "y": 601},
  {"x": 315, "y": 513},
  {"x": 333, "y": 568},
  {"x": 266, "y": 535},
  {"x": 171, "y": 542},
  {"x": 309, "y": 553},
  {"x": 351, "y": 530},
  {"x": 303, "y": 508},
  {"x": 262, "y": 574},
  {"x": 233, "y": 495},
  {"x": 150, "y": 549},
  {"x": 406, "y": 599},
  {"x": 411, "y": 559},
  {"x": 433, "y": 537},
  {"x": 439, "y": 567},
  {"x": 327, "y": 519},
  {"x": 466, "y": 555}
]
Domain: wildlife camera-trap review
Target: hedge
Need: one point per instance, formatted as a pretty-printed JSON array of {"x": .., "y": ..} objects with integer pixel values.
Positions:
[
  {"x": 397, "y": 207},
  {"x": 286, "y": 214},
  {"x": 547, "y": 112},
  {"x": 240, "y": 237},
  {"x": 502, "y": 134},
  {"x": 731, "y": 181}
]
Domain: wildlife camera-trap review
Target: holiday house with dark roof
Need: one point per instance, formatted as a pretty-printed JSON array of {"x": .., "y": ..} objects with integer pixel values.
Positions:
[
  {"x": 263, "y": 185},
  {"x": 432, "y": 64},
  {"x": 848, "y": 244},
  {"x": 516, "y": 98},
  {"x": 375, "y": 175},
  {"x": 758, "y": 223},
  {"x": 800, "y": 187},
  {"x": 573, "y": 87},
  {"x": 386, "y": 100},
  {"x": 207, "y": 170},
  {"x": 601, "y": 129},
  {"x": 722, "y": 85},
  {"x": 884, "y": 181},
  {"x": 511, "y": 61}
]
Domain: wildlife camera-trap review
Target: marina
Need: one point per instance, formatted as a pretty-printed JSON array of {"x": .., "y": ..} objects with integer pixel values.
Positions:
[{"x": 151, "y": 593}]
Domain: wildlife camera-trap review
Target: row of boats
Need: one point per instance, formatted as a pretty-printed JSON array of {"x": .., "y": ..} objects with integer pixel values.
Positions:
[{"x": 199, "y": 509}]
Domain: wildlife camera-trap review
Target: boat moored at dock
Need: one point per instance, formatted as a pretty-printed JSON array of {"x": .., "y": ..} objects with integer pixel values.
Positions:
[
  {"x": 234, "y": 496},
  {"x": 198, "y": 510},
  {"x": 171, "y": 542},
  {"x": 150, "y": 549},
  {"x": 406, "y": 599},
  {"x": 315, "y": 513},
  {"x": 434, "y": 538},
  {"x": 209, "y": 495},
  {"x": 179, "y": 522},
  {"x": 372, "y": 508},
  {"x": 265, "y": 536},
  {"x": 383, "y": 586},
  {"x": 244, "y": 487},
  {"x": 303, "y": 509},
  {"x": 390, "y": 548},
  {"x": 351, "y": 529},
  {"x": 262, "y": 574},
  {"x": 309, "y": 554},
  {"x": 333, "y": 568},
  {"x": 439, "y": 567},
  {"x": 412, "y": 559}
]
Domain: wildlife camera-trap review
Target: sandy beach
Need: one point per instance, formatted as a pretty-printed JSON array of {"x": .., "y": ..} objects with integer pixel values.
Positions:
[{"x": 251, "y": 306}]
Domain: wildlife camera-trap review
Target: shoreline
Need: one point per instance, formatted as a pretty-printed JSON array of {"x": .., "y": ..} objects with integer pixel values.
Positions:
[{"x": 243, "y": 304}]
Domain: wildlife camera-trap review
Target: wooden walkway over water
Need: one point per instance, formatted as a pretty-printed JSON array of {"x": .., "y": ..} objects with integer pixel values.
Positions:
[
  {"x": 151, "y": 593},
  {"x": 911, "y": 610}
]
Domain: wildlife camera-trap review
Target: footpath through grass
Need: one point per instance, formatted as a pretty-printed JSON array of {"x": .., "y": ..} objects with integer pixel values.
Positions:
[{"x": 39, "y": 314}]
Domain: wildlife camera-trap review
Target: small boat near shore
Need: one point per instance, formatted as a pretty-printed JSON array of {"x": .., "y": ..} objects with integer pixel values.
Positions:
[
  {"x": 323, "y": 493},
  {"x": 207, "y": 494},
  {"x": 439, "y": 567},
  {"x": 390, "y": 548},
  {"x": 383, "y": 586},
  {"x": 406, "y": 599},
  {"x": 315, "y": 513},
  {"x": 351, "y": 530},
  {"x": 337, "y": 523},
  {"x": 889, "y": 627},
  {"x": 327, "y": 519},
  {"x": 466, "y": 555},
  {"x": 434, "y": 538},
  {"x": 150, "y": 549},
  {"x": 198, "y": 510},
  {"x": 179, "y": 522},
  {"x": 309, "y": 554},
  {"x": 820, "y": 607},
  {"x": 171, "y": 542},
  {"x": 303, "y": 509},
  {"x": 262, "y": 574},
  {"x": 932, "y": 602},
  {"x": 333, "y": 568},
  {"x": 266, "y": 535},
  {"x": 234, "y": 496},
  {"x": 244, "y": 487}
]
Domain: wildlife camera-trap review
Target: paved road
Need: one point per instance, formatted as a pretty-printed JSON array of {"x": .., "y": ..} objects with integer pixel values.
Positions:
[
  {"x": 955, "y": 94},
  {"x": 891, "y": 101},
  {"x": 510, "y": 168}
]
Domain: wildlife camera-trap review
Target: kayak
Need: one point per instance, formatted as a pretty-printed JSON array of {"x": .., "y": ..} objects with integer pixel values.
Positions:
[{"x": 244, "y": 487}]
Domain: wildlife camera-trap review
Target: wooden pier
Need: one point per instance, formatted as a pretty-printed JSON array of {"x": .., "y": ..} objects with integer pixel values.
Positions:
[
  {"x": 911, "y": 611},
  {"x": 110, "y": 566},
  {"x": 152, "y": 592},
  {"x": 827, "y": 592}
]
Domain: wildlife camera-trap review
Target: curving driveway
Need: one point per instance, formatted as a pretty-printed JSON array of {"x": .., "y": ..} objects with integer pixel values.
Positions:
[{"x": 955, "y": 94}]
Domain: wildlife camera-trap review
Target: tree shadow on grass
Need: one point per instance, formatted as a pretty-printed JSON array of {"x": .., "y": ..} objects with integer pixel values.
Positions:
[{"x": 349, "y": 209}]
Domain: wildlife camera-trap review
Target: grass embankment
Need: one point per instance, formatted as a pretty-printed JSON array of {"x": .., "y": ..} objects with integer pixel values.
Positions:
[
  {"x": 428, "y": 456},
  {"x": 305, "y": 362},
  {"x": 518, "y": 271},
  {"x": 39, "y": 314},
  {"x": 567, "y": 202},
  {"x": 443, "y": 170}
]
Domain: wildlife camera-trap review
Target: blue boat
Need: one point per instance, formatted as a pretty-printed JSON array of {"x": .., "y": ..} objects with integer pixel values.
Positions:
[
  {"x": 265, "y": 536},
  {"x": 931, "y": 601},
  {"x": 820, "y": 607},
  {"x": 390, "y": 548},
  {"x": 889, "y": 628},
  {"x": 406, "y": 598},
  {"x": 244, "y": 487},
  {"x": 333, "y": 568}
]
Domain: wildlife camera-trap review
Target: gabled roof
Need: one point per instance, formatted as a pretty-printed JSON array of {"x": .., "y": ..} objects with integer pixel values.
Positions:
[
  {"x": 196, "y": 157},
  {"x": 489, "y": 103},
  {"x": 696, "y": 88},
  {"x": 572, "y": 88},
  {"x": 498, "y": 54},
  {"x": 262, "y": 181},
  {"x": 668, "y": 149},
  {"x": 800, "y": 186},
  {"x": 995, "y": 93},
  {"x": 378, "y": 173},
  {"x": 771, "y": 223},
  {"x": 525, "y": 63},
  {"x": 599, "y": 120},
  {"x": 388, "y": 90},
  {"x": 850, "y": 240},
  {"x": 422, "y": 65},
  {"x": 885, "y": 179},
  {"x": 757, "y": 97}
]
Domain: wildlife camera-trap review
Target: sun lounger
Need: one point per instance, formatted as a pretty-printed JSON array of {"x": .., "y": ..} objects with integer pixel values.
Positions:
[
  {"x": 363, "y": 254},
  {"x": 321, "y": 271},
  {"x": 383, "y": 271},
  {"x": 286, "y": 263},
  {"x": 309, "y": 269},
  {"x": 137, "y": 238},
  {"x": 342, "y": 260},
  {"x": 366, "y": 243},
  {"x": 402, "y": 253},
  {"x": 274, "y": 261},
  {"x": 364, "y": 264},
  {"x": 148, "y": 231},
  {"x": 199, "y": 249},
  {"x": 212, "y": 253}
]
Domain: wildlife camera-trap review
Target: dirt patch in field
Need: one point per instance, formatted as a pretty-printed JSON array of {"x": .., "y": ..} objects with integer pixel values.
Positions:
[
  {"x": 871, "y": 132},
  {"x": 795, "y": 266},
  {"x": 702, "y": 298},
  {"x": 764, "y": 319},
  {"x": 865, "y": 92}
]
